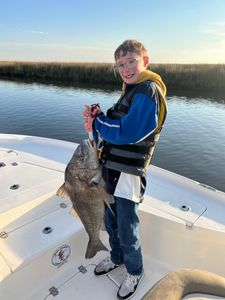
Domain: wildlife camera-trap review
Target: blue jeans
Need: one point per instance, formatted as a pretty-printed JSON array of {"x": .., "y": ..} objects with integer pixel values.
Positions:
[{"x": 124, "y": 236}]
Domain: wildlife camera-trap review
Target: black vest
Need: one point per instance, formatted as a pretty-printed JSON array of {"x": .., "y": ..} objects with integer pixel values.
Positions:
[{"x": 134, "y": 158}]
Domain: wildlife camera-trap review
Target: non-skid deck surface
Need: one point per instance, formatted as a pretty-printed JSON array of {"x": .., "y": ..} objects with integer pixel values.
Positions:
[{"x": 85, "y": 286}]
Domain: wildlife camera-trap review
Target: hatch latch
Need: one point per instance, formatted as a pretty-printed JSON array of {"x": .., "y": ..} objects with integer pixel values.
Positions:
[
  {"x": 53, "y": 291},
  {"x": 3, "y": 235}
]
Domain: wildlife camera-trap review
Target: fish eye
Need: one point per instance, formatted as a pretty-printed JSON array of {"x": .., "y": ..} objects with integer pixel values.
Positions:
[{"x": 81, "y": 156}]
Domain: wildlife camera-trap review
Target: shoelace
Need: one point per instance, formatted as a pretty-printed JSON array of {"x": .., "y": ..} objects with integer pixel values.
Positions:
[
  {"x": 106, "y": 260},
  {"x": 130, "y": 281}
]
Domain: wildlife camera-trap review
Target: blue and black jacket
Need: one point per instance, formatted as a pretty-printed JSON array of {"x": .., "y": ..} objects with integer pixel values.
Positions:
[{"x": 129, "y": 130}]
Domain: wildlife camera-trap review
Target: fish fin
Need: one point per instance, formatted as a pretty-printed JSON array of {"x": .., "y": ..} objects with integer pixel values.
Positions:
[
  {"x": 97, "y": 178},
  {"x": 74, "y": 213},
  {"x": 109, "y": 199},
  {"x": 109, "y": 207},
  {"x": 103, "y": 227},
  {"x": 93, "y": 185},
  {"x": 93, "y": 249},
  {"x": 62, "y": 192}
]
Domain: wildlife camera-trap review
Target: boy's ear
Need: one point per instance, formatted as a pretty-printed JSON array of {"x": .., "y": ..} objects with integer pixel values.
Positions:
[{"x": 146, "y": 61}]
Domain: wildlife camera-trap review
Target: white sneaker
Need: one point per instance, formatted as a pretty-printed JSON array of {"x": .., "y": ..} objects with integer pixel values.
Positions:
[
  {"x": 129, "y": 286},
  {"x": 105, "y": 266}
]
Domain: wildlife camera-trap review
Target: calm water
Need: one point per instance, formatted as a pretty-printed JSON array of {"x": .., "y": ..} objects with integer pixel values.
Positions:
[{"x": 192, "y": 142}]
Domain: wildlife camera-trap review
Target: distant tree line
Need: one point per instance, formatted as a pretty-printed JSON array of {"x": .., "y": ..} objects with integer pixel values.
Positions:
[{"x": 176, "y": 76}]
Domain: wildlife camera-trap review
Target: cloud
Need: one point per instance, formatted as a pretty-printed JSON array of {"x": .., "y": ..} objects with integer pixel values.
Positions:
[
  {"x": 209, "y": 48},
  {"x": 34, "y": 31},
  {"x": 205, "y": 51},
  {"x": 215, "y": 30},
  {"x": 54, "y": 52},
  {"x": 39, "y": 32}
]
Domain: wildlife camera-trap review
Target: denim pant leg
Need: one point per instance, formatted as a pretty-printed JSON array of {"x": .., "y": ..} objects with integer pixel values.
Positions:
[
  {"x": 128, "y": 221},
  {"x": 111, "y": 227},
  {"x": 124, "y": 236}
]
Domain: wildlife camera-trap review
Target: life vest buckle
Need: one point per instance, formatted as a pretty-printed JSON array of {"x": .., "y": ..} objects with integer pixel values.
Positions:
[{"x": 99, "y": 152}]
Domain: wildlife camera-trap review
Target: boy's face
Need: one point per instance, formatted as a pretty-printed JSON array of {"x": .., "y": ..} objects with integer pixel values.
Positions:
[{"x": 130, "y": 66}]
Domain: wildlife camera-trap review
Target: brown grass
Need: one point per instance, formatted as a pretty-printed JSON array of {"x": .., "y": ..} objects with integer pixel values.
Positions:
[{"x": 176, "y": 76}]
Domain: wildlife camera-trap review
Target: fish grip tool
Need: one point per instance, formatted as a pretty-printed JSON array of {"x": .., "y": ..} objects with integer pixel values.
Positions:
[{"x": 93, "y": 107}]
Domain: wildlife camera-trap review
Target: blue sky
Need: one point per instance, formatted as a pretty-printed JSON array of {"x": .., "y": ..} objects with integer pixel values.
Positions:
[{"x": 173, "y": 31}]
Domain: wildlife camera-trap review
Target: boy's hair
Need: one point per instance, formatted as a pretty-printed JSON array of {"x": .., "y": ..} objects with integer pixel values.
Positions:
[{"x": 130, "y": 46}]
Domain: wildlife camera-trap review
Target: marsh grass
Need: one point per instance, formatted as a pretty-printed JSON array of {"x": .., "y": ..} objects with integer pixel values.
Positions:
[
  {"x": 192, "y": 76},
  {"x": 176, "y": 76}
]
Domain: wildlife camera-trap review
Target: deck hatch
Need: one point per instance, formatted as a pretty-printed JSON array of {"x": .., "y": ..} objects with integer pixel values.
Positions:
[
  {"x": 24, "y": 183},
  {"x": 185, "y": 205}
]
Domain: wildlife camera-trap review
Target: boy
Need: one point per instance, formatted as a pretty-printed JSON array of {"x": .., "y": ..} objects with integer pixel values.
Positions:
[{"x": 129, "y": 132}]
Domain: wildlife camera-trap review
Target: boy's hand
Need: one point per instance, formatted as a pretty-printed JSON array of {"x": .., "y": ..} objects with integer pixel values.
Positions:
[
  {"x": 87, "y": 111},
  {"x": 89, "y": 114},
  {"x": 95, "y": 110},
  {"x": 88, "y": 124},
  {"x": 92, "y": 110}
]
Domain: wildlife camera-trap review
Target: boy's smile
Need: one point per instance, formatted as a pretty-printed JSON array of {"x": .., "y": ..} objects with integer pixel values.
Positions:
[{"x": 130, "y": 66}]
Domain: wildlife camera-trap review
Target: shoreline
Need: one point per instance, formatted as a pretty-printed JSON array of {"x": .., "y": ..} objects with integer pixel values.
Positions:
[{"x": 208, "y": 77}]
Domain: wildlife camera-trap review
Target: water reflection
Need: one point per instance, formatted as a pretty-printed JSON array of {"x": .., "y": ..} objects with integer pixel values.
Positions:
[
  {"x": 213, "y": 96},
  {"x": 187, "y": 94},
  {"x": 192, "y": 141},
  {"x": 65, "y": 85}
]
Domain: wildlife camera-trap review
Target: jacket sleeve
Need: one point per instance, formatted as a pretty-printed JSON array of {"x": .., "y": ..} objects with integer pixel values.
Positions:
[{"x": 140, "y": 122}]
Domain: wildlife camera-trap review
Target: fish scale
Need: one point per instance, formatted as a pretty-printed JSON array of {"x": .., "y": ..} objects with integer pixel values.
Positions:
[{"x": 84, "y": 186}]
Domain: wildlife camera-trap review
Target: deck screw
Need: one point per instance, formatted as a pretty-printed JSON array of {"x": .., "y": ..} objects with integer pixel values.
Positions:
[{"x": 14, "y": 187}]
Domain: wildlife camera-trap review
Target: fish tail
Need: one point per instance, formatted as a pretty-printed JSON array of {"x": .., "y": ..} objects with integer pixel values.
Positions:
[{"x": 93, "y": 248}]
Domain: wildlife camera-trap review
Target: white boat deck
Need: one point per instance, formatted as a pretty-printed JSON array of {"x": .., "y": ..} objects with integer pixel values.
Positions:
[
  {"x": 105, "y": 287},
  {"x": 87, "y": 286},
  {"x": 182, "y": 226}
]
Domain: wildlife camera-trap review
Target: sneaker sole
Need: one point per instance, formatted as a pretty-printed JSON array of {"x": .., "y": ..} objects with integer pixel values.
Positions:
[
  {"x": 105, "y": 273},
  {"x": 132, "y": 295}
]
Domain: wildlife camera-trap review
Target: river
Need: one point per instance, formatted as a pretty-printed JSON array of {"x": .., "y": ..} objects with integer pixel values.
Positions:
[{"x": 192, "y": 142}]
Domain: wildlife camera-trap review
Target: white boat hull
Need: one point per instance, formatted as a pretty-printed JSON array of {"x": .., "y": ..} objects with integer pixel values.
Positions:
[{"x": 42, "y": 244}]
